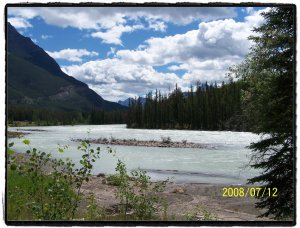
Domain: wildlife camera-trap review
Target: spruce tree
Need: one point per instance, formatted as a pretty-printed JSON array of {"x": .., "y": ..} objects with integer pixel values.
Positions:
[{"x": 268, "y": 73}]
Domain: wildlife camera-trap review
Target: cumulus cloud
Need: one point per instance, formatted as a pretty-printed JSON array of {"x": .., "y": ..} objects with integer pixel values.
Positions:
[
  {"x": 115, "y": 79},
  {"x": 254, "y": 18},
  {"x": 204, "y": 70},
  {"x": 160, "y": 51},
  {"x": 19, "y": 22},
  {"x": 157, "y": 25},
  {"x": 207, "y": 70},
  {"x": 109, "y": 24},
  {"x": 213, "y": 39},
  {"x": 204, "y": 54},
  {"x": 107, "y": 17},
  {"x": 113, "y": 35},
  {"x": 72, "y": 55}
]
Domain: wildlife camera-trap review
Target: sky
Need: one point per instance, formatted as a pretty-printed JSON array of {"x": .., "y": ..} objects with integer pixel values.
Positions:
[{"x": 123, "y": 52}]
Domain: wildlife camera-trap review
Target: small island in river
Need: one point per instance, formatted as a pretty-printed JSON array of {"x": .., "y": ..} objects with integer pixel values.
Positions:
[{"x": 165, "y": 142}]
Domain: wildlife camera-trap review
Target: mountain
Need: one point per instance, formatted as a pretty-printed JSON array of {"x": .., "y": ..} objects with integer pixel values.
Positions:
[
  {"x": 126, "y": 102},
  {"x": 35, "y": 79}
]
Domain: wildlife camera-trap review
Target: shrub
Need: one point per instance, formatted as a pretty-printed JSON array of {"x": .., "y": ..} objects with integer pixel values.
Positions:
[
  {"x": 138, "y": 193},
  {"x": 93, "y": 211},
  {"x": 200, "y": 213},
  {"x": 48, "y": 197},
  {"x": 34, "y": 194},
  {"x": 113, "y": 179}
]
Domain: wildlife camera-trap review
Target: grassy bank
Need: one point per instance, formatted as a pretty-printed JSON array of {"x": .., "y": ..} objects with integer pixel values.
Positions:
[{"x": 23, "y": 193}]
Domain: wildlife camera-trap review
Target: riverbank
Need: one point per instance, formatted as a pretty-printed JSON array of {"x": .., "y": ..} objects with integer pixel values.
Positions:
[
  {"x": 165, "y": 142},
  {"x": 15, "y": 134},
  {"x": 188, "y": 201},
  {"x": 185, "y": 201}
]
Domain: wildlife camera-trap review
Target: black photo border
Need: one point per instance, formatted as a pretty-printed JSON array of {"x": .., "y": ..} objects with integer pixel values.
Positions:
[{"x": 149, "y": 223}]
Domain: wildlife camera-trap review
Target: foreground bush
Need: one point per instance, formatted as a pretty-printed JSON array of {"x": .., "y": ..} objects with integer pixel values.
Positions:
[
  {"x": 138, "y": 194},
  {"x": 43, "y": 188}
]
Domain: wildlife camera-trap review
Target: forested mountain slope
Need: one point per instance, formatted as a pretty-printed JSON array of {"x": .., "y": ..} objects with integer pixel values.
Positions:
[{"x": 34, "y": 79}]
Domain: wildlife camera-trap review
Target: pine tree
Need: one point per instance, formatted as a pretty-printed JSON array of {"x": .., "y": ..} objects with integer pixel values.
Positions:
[{"x": 268, "y": 72}]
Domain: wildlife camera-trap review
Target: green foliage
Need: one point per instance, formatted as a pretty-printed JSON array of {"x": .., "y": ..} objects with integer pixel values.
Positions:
[
  {"x": 210, "y": 107},
  {"x": 268, "y": 98},
  {"x": 93, "y": 211},
  {"x": 145, "y": 201},
  {"x": 124, "y": 189},
  {"x": 44, "y": 188},
  {"x": 113, "y": 179},
  {"x": 19, "y": 115},
  {"x": 10, "y": 152},
  {"x": 18, "y": 188},
  {"x": 200, "y": 213},
  {"x": 26, "y": 141},
  {"x": 52, "y": 187},
  {"x": 107, "y": 117},
  {"x": 138, "y": 193},
  {"x": 20, "y": 80},
  {"x": 83, "y": 173}
]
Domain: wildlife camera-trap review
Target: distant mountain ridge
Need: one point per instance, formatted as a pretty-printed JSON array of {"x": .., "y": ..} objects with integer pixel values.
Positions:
[
  {"x": 126, "y": 101},
  {"x": 35, "y": 79},
  {"x": 143, "y": 100}
]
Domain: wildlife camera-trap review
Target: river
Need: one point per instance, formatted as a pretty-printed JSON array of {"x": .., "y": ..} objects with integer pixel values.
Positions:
[{"x": 224, "y": 161}]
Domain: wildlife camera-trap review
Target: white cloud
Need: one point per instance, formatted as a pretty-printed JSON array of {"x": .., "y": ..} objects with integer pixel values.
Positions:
[
  {"x": 207, "y": 70},
  {"x": 111, "y": 52},
  {"x": 203, "y": 54},
  {"x": 109, "y": 23},
  {"x": 72, "y": 55},
  {"x": 45, "y": 37},
  {"x": 254, "y": 18},
  {"x": 108, "y": 17},
  {"x": 157, "y": 25},
  {"x": 113, "y": 35},
  {"x": 249, "y": 10},
  {"x": 160, "y": 51},
  {"x": 204, "y": 70},
  {"x": 174, "y": 68},
  {"x": 213, "y": 39},
  {"x": 115, "y": 79},
  {"x": 19, "y": 22}
]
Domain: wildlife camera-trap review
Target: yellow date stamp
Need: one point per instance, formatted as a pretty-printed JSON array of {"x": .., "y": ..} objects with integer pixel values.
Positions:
[{"x": 249, "y": 192}]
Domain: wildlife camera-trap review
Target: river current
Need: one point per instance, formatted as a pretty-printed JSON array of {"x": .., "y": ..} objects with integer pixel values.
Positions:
[{"x": 224, "y": 161}]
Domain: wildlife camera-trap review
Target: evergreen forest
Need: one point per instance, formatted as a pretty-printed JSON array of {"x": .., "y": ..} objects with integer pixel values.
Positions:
[{"x": 209, "y": 107}]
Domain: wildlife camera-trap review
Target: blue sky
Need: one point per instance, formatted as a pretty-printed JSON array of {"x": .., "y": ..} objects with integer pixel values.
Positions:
[{"x": 126, "y": 52}]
